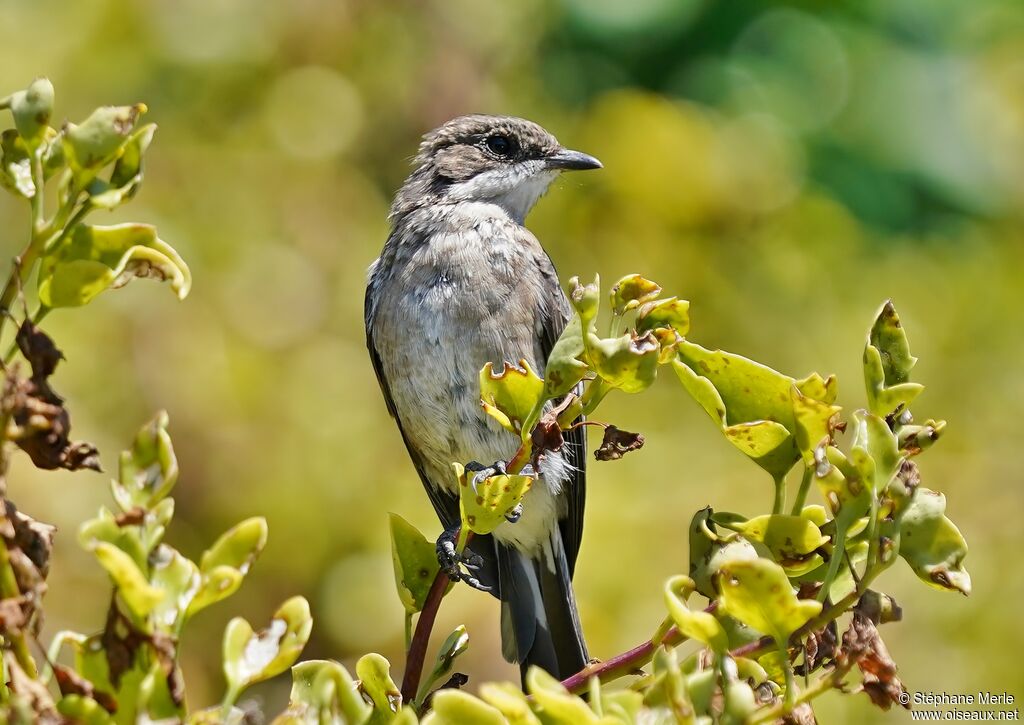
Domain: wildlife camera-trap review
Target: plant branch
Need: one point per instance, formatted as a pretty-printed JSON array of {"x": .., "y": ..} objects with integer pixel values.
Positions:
[
  {"x": 801, "y": 494},
  {"x": 421, "y": 637}
]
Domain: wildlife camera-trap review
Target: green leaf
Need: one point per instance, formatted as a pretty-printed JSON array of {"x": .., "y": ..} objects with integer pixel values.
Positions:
[
  {"x": 709, "y": 552},
  {"x": 91, "y": 259},
  {"x": 99, "y": 139},
  {"x": 913, "y": 439},
  {"x": 15, "y": 167},
  {"x": 670, "y": 312},
  {"x": 557, "y": 703},
  {"x": 565, "y": 368},
  {"x": 789, "y": 538},
  {"x": 156, "y": 703},
  {"x": 739, "y": 702},
  {"x": 105, "y": 528},
  {"x": 415, "y": 563},
  {"x": 127, "y": 173},
  {"x": 887, "y": 364},
  {"x": 513, "y": 397},
  {"x": 134, "y": 590},
  {"x": 841, "y": 483},
  {"x": 323, "y": 691},
  {"x": 629, "y": 362},
  {"x": 83, "y": 711},
  {"x": 700, "y": 626},
  {"x": 374, "y": 673},
  {"x": 251, "y": 657},
  {"x": 454, "y": 707},
  {"x": 485, "y": 509},
  {"x": 586, "y": 299},
  {"x": 815, "y": 422},
  {"x": 148, "y": 471},
  {"x": 750, "y": 402},
  {"x": 874, "y": 451},
  {"x": 238, "y": 547},
  {"x": 216, "y": 585},
  {"x": 932, "y": 544},
  {"x": 510, "y": 701},
  {"x": 178, "y": 578},
  {"x": 631, "y": 291},
  {"x": 32, "y": 109},
  {"x": 758, "y": 593},
  {"x": 454, "y": 645},
  {"x": 224, "y": 565}
]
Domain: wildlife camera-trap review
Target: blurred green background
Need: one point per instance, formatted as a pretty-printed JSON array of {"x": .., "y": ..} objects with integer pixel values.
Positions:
[{"x": 785, "y": 167}]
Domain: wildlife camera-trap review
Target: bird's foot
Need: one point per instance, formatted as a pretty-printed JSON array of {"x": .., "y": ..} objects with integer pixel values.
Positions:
[
  {"x": 481, "y": 472},
  {"x": 515, "y": 513},
  {"x": 458, "y": 567}
]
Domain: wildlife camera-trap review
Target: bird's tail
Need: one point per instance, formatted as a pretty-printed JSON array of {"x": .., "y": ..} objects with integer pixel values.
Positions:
[{"x": 539, "y": 622}]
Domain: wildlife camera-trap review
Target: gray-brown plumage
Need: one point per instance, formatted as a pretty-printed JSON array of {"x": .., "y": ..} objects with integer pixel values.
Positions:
[{"x": 460, "y": 283}]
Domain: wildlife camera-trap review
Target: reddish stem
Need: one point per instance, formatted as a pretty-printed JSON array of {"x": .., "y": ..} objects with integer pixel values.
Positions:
[
  {"x": 421, "y": 638},
  {"x": 621, "y": 664}
]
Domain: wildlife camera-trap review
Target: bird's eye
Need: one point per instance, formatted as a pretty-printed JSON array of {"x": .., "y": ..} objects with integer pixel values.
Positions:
[{"x": 499, "y": 145}]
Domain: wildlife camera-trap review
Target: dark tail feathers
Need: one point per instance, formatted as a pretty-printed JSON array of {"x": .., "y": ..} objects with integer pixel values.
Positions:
[{"x": 539, "y": 622}]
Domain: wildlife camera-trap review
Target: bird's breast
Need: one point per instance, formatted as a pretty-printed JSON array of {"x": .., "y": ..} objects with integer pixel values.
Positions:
[{"x": 468, "y": 295}]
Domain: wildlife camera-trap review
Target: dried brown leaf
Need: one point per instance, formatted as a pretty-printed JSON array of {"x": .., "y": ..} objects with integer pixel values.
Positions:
[{"x": 617, "y": 443}]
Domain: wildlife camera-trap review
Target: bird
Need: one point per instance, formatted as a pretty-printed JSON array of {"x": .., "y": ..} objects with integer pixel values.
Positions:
[{"x": 461, "y": 282}]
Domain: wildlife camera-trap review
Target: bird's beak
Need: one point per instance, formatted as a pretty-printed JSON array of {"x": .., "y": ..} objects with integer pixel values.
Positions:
[{"x": 567, "y": 160}]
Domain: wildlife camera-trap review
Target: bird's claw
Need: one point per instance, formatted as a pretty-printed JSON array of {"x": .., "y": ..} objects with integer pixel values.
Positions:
[
  {"x": 514, "y": 514},
  {"x": 453, "y": 563},
  {"x": 481, "y": 472}
]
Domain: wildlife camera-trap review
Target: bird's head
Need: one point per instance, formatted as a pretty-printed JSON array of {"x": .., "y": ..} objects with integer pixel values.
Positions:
[{"x": 503, "y": 160}]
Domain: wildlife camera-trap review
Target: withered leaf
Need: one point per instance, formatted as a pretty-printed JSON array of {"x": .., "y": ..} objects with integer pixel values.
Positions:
[
  {"x": 862, "y": 642},
  {"x": 802, "y": 714},
  {"x": 39, "y": 349},
  {"x": 12, "y": 615},
  {"x": 32, "y": 690},
  {"x": 70, "y": 682},
  {"x": 42, "y": 424},
  {"x": 617, "y": 443},
  {"x": 819, "y": 649}
]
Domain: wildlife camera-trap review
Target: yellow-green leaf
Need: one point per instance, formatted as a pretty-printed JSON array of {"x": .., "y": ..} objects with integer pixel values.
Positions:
[
  {"x": 454, "y": 645},
  {"x": 631, "y": 291},
  {"x": 565, "y": 367},
  {"x": 238, "y": 547},
  {"x": 700, "y": 626},
  {"x": 137, "y": 593},
  {"x": 510, "y": 701},
  {"x": 932, "y": 544},
  {"x": 629, "y": 362},
  {"x": 91, "y": 259},
  {"x": 788, "y": 538},
  {"x": 148, "y": 471},
  {"x": 670, "y": 312},
  {"x": 256, "y": 656},
  {"x": 556, "y": 702},
  {"x": 99, "y": 139},
  {"x": 454, "y": 707},
  {"x": 415, "y": 563},
  {"x": 374, "y": 673},
  {"x": 758, "y": 593},
  {"x": 887, "y": 364},
  {"x": 32, "y": 109},
  {"x": 513, "y": 396},
  {"x": 324, "y": 691},
  {"x": 484, "y": 510}
]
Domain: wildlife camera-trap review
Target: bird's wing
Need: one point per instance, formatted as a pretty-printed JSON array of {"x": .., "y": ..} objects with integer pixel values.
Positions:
[
  {"x": 445, "y": 504},
  {"x": 556, "y": 313}
]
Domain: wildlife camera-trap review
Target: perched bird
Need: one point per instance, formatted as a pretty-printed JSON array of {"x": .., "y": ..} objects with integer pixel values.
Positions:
[{"x": 460, "y": 283}]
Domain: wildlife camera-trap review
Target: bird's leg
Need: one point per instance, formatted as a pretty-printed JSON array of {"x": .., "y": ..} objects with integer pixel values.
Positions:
[{"x": 452, "y": 562}]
